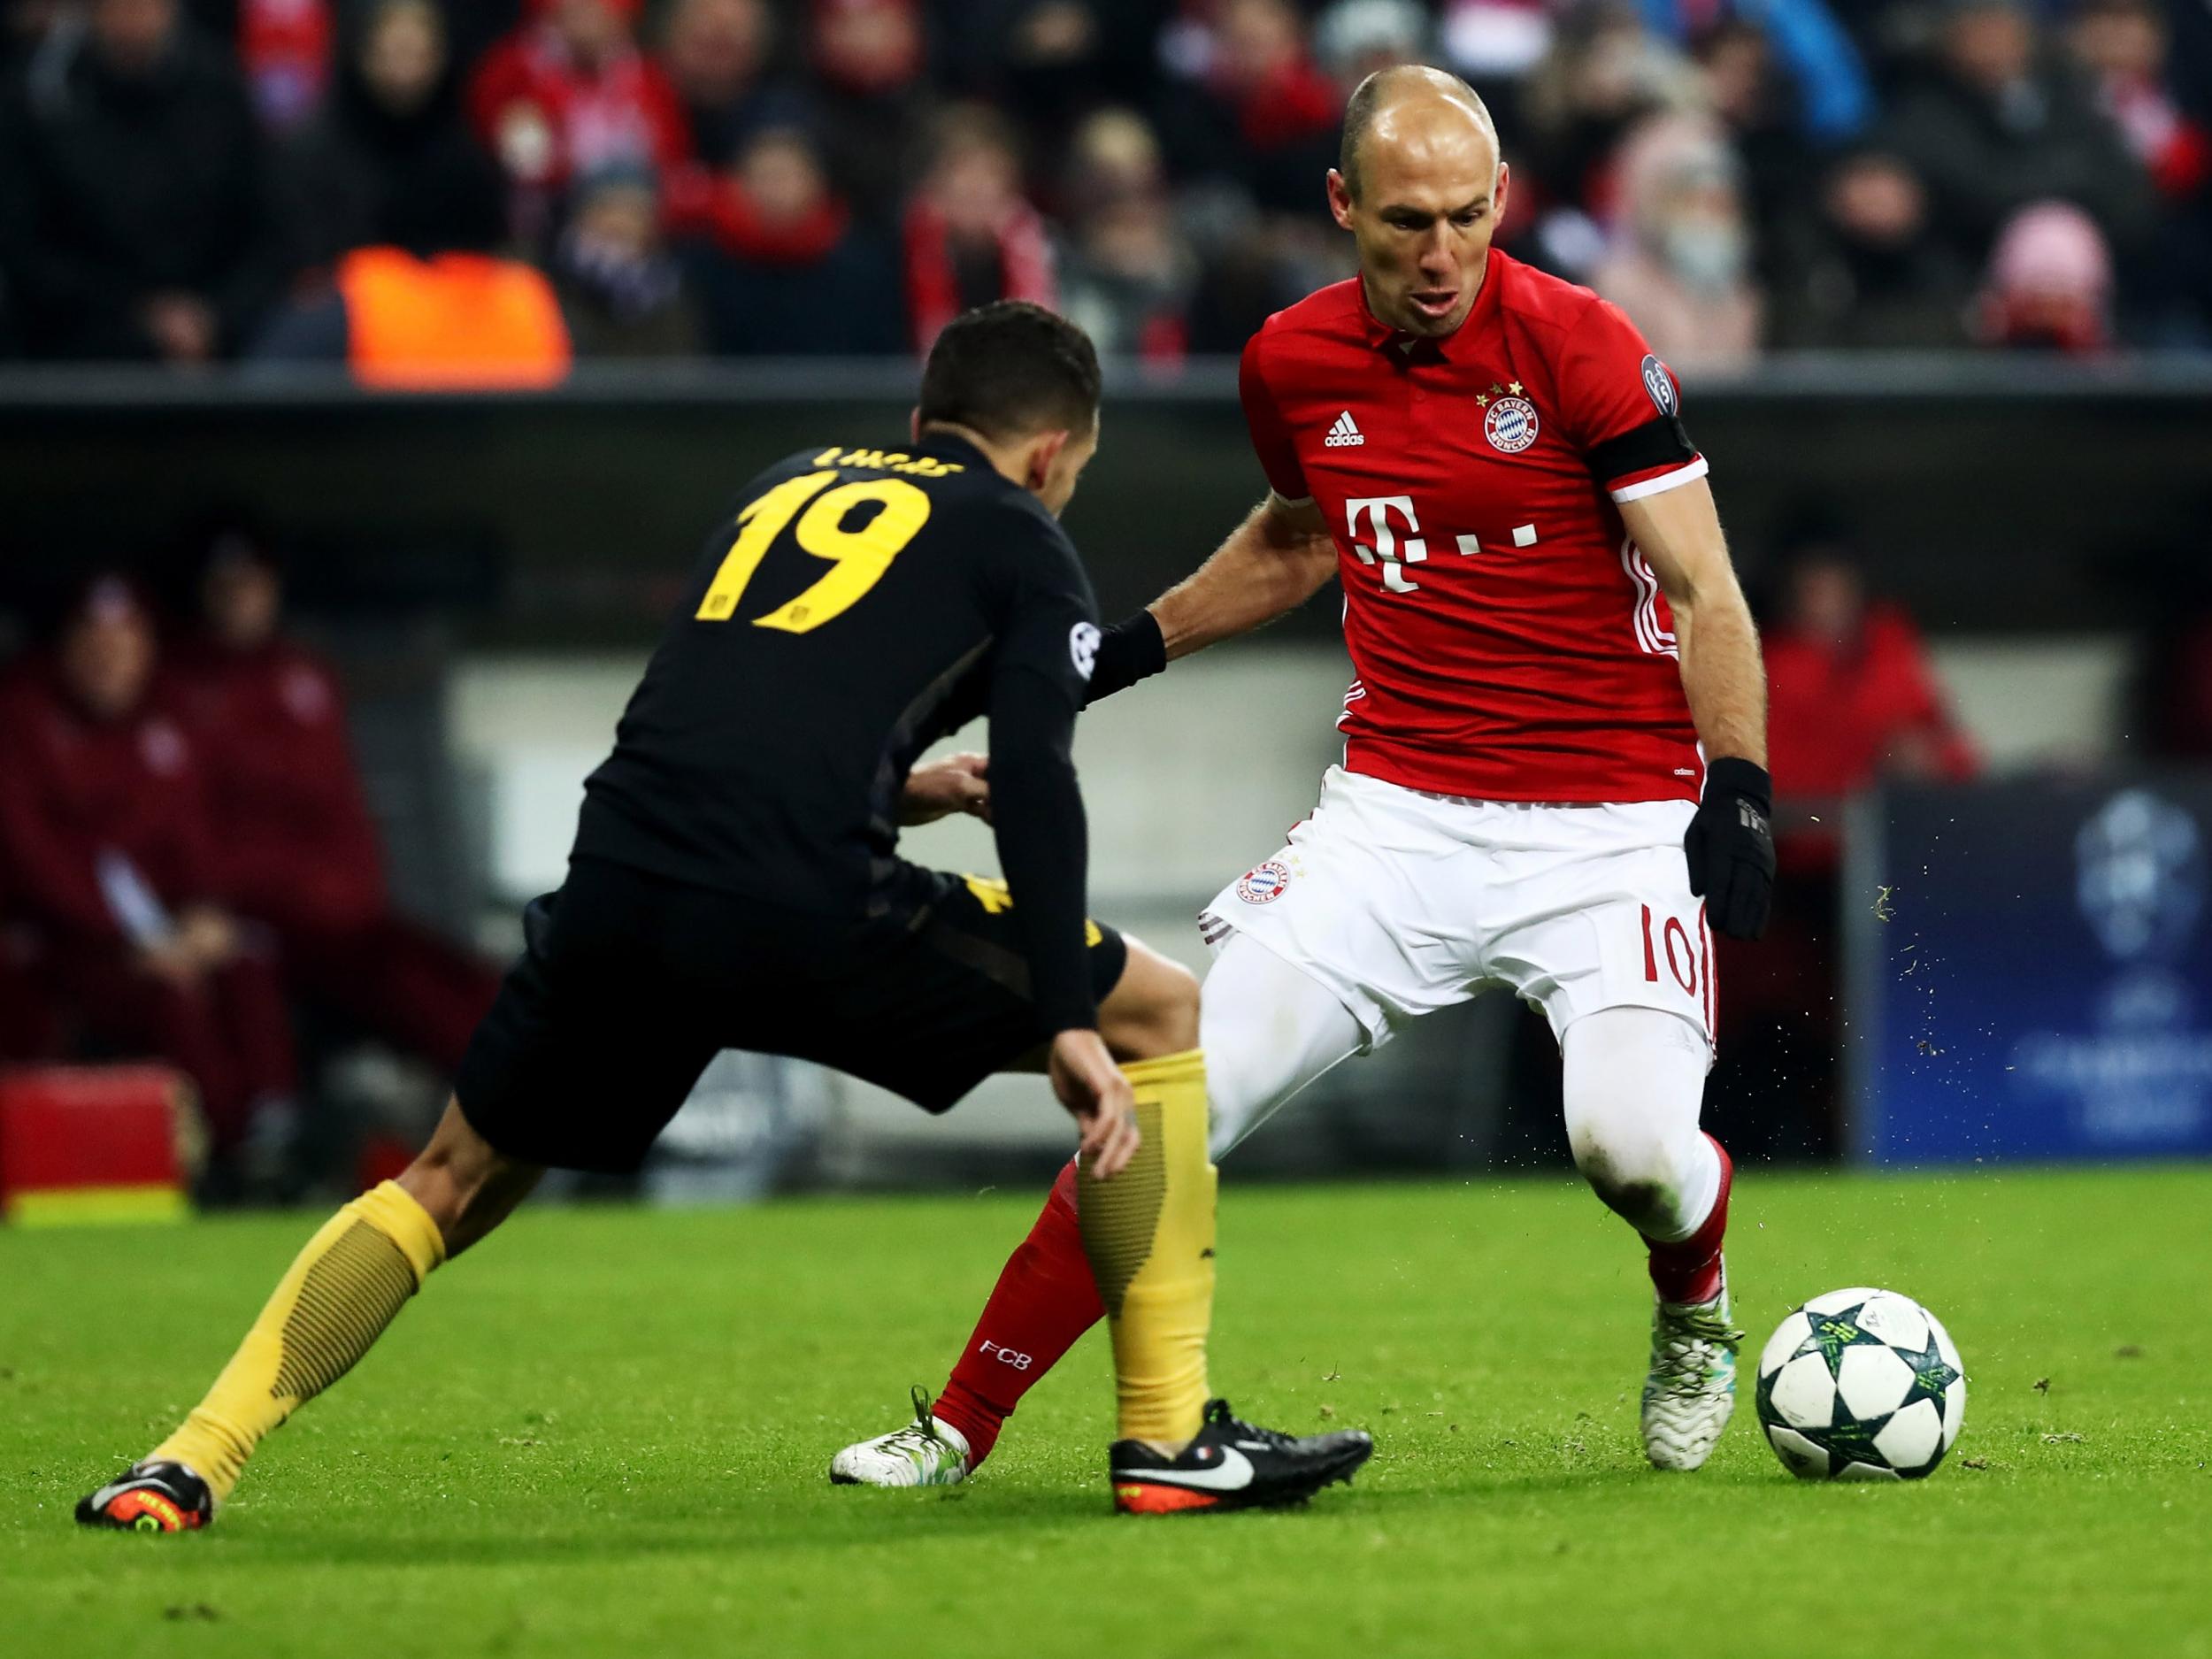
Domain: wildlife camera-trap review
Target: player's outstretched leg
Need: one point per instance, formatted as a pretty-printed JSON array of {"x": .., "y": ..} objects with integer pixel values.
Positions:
[
  {"x": 350, "y": 1282},
  {"x": 1268, "y": 1030},
  {"x": 1148, "y": 1233},
  {"x": 1634, "y": 1080}
]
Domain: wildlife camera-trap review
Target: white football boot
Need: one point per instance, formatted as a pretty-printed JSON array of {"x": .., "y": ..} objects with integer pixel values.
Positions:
[
  {"x": 1692, "y": 1389},
  {"x": 924, "y": 1453}
]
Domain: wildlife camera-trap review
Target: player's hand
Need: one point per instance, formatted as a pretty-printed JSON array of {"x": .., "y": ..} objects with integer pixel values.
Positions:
[
  {"x": 1097, "y": 1093},
  {"x": 958, "y": 783},
  {"x": 1731, "y": 848}
]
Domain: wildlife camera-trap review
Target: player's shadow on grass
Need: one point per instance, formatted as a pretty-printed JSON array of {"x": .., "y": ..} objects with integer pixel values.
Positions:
[{"x": 544, "y": 1532}]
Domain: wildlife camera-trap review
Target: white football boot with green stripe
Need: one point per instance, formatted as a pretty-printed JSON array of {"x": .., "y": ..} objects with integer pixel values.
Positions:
[
  {"x": 1691, "y": 1390},
  {"x": 924, "y": 1453}
]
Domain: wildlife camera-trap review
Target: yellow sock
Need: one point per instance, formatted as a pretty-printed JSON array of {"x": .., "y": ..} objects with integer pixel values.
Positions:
[
  {"x": 341, "y": 1292},
  {"x": 1149, "y": 1236}
]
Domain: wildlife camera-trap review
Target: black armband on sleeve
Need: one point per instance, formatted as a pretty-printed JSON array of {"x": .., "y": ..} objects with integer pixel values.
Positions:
[
  {"x": 1131, "y": 651},
  {"x": 1664, "y": 442}
]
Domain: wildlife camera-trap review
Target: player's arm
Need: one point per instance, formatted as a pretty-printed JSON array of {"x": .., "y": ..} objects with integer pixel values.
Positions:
[
  {"x": 1730, "y": 845},
  {"x": 1679, "y": 531},
  {"x": 1273, "y": 562},
  {"x": 1037, "y": 675}
]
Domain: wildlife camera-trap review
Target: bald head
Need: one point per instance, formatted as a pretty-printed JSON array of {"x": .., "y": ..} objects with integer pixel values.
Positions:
[
  {"x": 1421, "y": 189},
  {"x": 1415, "y": 108}
]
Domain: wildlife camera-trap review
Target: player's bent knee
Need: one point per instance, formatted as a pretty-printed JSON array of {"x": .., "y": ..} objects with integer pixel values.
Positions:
[
  {"x": 464, "y": 1183},
  {"x": 1639, "y": 1199},
  {"x": 1152, "y": 1011},
  {"x": 1631, "y": 1094}
]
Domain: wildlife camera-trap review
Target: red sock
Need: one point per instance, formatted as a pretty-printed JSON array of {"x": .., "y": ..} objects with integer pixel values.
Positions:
[
  {"x": 1690, "y": 1269},
  {"x": 1045, "y": 1299}
]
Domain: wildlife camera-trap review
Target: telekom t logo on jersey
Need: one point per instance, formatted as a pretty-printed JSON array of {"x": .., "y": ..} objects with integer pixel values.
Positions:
[{"x": 1380, "y": 540}]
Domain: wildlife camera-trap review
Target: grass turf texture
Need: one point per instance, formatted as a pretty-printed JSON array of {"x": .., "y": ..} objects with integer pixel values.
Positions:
[{"x": 605, "y": 1433}]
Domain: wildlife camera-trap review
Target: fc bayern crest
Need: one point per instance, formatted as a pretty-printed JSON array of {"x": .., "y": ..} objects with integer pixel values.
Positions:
[
  {"x": 1511, "y": 425},
  {"x": 1263, "y": 884}
]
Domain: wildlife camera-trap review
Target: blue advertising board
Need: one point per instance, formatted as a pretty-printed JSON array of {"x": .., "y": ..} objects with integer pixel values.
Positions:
[{"x": 2030, "y": 971}]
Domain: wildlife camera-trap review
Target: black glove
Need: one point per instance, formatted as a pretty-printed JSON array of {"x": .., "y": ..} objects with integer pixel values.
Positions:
[
  {"x": 1731, "y": 848},
  {"x": 1131, "y": 651}
]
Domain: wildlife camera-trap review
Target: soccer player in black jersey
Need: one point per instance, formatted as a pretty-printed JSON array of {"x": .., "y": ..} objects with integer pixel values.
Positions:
[{"x": 735, "y": 882}]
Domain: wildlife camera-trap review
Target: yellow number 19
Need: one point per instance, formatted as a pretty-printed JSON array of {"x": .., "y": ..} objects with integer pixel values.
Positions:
[{"x": 861, "y": 556}]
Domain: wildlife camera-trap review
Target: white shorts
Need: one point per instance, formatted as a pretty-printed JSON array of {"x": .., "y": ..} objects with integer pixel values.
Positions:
[{"x": 1403, "y": 902}]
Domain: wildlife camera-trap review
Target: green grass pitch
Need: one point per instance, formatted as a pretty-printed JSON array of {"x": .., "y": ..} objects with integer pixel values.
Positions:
[{"x": 605, "y": 1434}]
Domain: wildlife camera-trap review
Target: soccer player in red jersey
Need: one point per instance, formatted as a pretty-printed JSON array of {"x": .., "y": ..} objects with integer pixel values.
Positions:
[{"x": 1557, "y": 696}]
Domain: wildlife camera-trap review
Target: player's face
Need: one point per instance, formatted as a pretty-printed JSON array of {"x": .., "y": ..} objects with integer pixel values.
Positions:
[
  {"x": 1061, "y": 473},
  {"x": 1431, "y": 190}
]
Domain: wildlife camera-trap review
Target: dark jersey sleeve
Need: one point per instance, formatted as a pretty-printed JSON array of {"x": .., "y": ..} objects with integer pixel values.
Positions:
[
  {"x": 1625, "y": 407},
  {"x": 1040, "y": 669}
]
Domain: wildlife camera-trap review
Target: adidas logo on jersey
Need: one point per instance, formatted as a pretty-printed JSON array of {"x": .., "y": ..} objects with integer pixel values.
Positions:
[{"x": 1343, "y": 434}]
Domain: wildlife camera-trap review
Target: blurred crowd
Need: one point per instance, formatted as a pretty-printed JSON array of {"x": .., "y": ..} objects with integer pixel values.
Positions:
[
  {"x": 525, "y": 182},
  {"x": 190, "y": 870}
]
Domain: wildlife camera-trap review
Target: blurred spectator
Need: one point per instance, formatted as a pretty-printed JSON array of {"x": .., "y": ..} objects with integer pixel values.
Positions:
[
  {"x": 1258, "y": 112},
  {"x": 621, "y": 290},
  {"x": 1857, "y": 269},
  {"x": 432, "y": 309},
  {"x": 1494, "y": 43},
  {"x": 970, "y": 236},
  {"x": 2050, "y": 282},
  {"x": 870, "y": 62},
  {"x": 1853, "y": 698},
  {"x": 717, "y": 54},
  {"x": 1681, "y": 264},
  {"x": 1354, "y": 38},
  {"x": 1997, "y": 128},
  {"x": 393, "y": 134},
  {"x": 293, "y": 847},
  {"x": 778, "y": 262},
  {"x": 1050, "y": 63},
  {"x": 1833, "y": 96},
  {"x": 134, "y": 211},
  {"x": 1757, "y": 109},
  {"x": 1602, "y": 77},
  {"x": 105, "y": 826},
  {"x": 2123, "y": 44},
  {"x": 1129, "y": 273},
  {"x": 284, "y": 46},
  {"x": 2126, "y": 48},
  {"x": 567, "y": 93},
  {"x": 1852, "y": 695}
]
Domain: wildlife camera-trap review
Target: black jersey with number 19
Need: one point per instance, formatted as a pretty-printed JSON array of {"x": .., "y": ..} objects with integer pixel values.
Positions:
[{"x": 859, "y": 604}]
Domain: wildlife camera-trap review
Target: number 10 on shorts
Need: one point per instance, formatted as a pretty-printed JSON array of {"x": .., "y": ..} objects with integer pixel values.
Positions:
[{"x": 1672, "y": 941}]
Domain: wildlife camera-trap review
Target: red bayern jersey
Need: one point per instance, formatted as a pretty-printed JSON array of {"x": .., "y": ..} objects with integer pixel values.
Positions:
[{"x": 1508, "y": 639}]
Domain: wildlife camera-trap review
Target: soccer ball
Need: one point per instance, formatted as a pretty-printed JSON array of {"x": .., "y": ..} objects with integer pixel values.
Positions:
[{"x": 1860, "y": 1384}]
